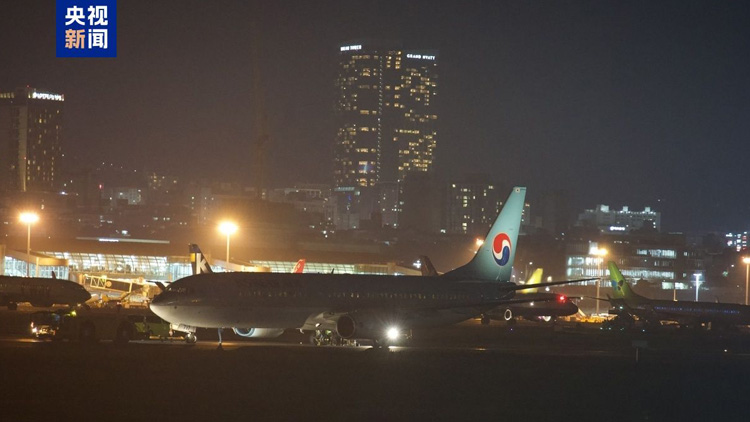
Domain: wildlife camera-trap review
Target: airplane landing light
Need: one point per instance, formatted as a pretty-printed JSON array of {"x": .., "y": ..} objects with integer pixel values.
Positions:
[{"x": 392, "y": 333}]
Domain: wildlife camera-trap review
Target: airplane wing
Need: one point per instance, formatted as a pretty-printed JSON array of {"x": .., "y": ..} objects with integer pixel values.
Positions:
[
  {"x": 526, "y": 300},
  {"x": 511, "y": 287},
  {"x": 605, "y": 299}
]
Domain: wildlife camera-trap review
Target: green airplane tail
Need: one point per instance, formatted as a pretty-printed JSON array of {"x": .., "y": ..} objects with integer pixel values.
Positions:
[{"x": 621, "y": 287}]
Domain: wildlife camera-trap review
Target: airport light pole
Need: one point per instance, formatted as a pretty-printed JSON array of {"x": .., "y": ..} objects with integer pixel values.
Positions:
[
  {"x": 601, "y": 253},
  {"x": 697, "y": 284},
  {"x": 228, "y": 228},
  {"x": 28, "y": 218},
  {"x": 746, "y": 261},
  {"x": 526, "y": 274}
]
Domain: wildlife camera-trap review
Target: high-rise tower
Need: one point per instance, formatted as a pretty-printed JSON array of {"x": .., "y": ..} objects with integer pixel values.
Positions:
[
  {"x": 30, "y": 137},
  {"x": 386, "y": 119},
  {"x": 385, "y": 107}
]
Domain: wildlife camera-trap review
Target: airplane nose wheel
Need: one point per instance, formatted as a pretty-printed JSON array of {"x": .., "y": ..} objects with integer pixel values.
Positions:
[{"x": 190, "y": 338}]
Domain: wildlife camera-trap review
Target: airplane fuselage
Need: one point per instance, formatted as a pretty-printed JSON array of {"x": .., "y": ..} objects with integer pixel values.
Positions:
[
  {"x": 40, "y": 291},
  {"x": 688, "y": 312},
  {"x": 536, "y": 305},
  {"x": 315, "y": 301}
]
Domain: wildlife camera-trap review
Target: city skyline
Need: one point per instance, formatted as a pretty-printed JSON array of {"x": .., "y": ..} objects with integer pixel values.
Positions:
[{"x": 623, "y": 104}]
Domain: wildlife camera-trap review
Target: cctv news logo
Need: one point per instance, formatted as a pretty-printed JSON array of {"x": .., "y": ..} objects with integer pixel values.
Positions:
[{"x": 86, "y": 28}]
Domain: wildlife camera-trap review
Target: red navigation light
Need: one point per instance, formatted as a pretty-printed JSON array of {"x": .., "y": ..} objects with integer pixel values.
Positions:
[{"x": 562, "y": 298}]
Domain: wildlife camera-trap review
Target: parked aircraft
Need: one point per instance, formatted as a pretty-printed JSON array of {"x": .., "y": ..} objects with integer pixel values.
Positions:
[
  {"x": 198, "y": 261},
  {"x": 299, "y": 267},
  {"x": 380, "y": 308},
  {"x": 42, "y": 292},
  {"x": 532, "y": 304},
  {"x": 685, "y": 313},
  {"x": 200, "y": 265}
]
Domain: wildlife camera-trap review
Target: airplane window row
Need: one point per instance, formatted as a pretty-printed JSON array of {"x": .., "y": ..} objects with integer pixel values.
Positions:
[
  {"x": 182, "y": 290},
  {"x": 273, "y": 293},
  {"x": 31, "y": 289},
  {"x": 697, "y": 310},
  {"x": 391, "y": 295}
]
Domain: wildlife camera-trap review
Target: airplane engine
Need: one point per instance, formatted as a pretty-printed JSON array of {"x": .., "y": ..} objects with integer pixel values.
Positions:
[
  {"x": 363, "y": 326},
  {"x": 346, "y": 326},
  {"x": 508, "y": 314},
  {"x": 258, "y": 332}
]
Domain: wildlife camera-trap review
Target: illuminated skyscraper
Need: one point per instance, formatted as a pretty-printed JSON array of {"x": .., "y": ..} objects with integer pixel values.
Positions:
[
  {"x": 30, "y": 137},
  {"x": 472, "y": 204},
  {"x": 386, "y": 119}
]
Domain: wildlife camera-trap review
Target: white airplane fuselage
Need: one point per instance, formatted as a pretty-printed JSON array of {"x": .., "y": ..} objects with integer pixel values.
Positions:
[{"x": 315, "y": 301}]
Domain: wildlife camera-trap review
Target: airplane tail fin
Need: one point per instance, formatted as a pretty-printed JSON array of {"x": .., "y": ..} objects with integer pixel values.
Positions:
[
  {"x": 426, "y": 266},
  {"x": 536, "y": 278},
  {"x": 494, "y": 259},
  {"x": 621, "y": 287},
  {"x": 299, "y": 267},
  {"x": 198, "y": 261}
]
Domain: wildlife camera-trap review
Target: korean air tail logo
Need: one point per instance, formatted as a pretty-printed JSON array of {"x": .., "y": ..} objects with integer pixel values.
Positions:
[{"x": 501, "y": 249}]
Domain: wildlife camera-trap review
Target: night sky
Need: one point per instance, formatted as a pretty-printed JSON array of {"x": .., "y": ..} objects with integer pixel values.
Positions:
[{"x": 622, "y": 103}]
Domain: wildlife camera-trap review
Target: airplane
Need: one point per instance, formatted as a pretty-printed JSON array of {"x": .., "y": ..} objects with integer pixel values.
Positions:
[
  {"x": 198, "y": 261},
  {"x": 529, "y": 304},
  {"x": 200, "y": 265},
  {"x": 41, "y": 292},
  {"x": 684, "y": 313},
  {"x": 372, "y": 307},
  {"x": 533, "y": 305},
  {"x": 299, "y": 267},
  {"x": 426, "y": 268}
]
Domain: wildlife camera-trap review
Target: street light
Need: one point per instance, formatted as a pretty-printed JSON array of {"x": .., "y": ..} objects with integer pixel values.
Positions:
[
  {"x": 228, "y": 228},
  {"x": 526, "y": 274},
  {"x": 746, "y": 261},
  {"x": 601, "y": 253},
  {"x": 697, "y": 284},
  {"x": 28, "y": 218}
]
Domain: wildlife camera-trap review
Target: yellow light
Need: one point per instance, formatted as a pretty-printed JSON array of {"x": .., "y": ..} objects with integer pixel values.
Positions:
[
  {"x": 479, "y": 242},
  {"x": 228, "y": 228},
  {"x": 602, "y": 252},
  {"x": 29, "y": 217},
  {"x": 746, "y": 260}
]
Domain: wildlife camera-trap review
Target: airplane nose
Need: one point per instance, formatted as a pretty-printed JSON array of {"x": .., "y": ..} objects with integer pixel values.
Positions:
[
  {"x": 160, "y": 307},
  {"x": 84, "y": 296}
]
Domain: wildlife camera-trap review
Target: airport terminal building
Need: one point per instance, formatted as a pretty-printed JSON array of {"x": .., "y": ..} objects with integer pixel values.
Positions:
[{"x": 125, "y": 268}]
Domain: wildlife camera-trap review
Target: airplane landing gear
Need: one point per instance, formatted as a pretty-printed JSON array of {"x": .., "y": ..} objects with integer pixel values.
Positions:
[
  {"x": 328, "y": 338},
  {"x": 324, "y": 338},
  {"x": 190, "y": 338}
]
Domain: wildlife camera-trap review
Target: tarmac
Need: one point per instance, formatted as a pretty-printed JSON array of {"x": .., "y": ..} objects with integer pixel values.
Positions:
[{"x": 528, "y": 371}]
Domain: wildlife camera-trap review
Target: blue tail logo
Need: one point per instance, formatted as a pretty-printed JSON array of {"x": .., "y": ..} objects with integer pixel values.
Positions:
[{"x": 501, "y": 248}]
